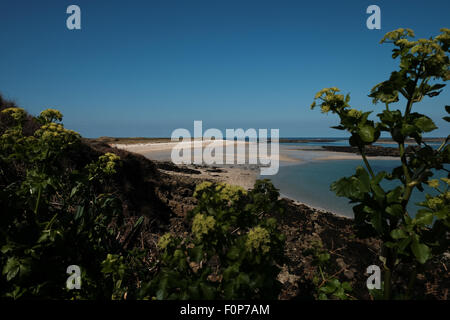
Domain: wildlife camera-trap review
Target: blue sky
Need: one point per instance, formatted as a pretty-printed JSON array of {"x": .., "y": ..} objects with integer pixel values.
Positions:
[{"x": 144, "y": 68}]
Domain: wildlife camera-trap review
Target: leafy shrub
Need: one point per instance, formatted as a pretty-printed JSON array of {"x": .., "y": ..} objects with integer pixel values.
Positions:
[
  {"x": 232, "y": 252},
  {"x": 328, "y": 286},
  {"x": 52, "y": 217},
  {"x": 383, "y": 213}
]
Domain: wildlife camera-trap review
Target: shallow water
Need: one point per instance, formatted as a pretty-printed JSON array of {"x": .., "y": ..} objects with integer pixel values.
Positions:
[
  {"x": 310, "y": 182},
  {"x": 307, "y": 179}
]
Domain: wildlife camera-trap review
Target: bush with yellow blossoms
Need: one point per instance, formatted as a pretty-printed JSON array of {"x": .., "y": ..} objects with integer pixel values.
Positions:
[
  {"x": 53, "y": 215},
  {"x": 233, "y": 251}
]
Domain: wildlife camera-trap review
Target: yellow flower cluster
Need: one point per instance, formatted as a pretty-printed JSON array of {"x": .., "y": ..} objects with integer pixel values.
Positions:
[
  {"x": 225, "y": 191},
  {"x": 426, "y": 46},
  {"x": 164, "y": 241},
  {"x": 444, "y": 36},
  {"x": 229, "y": 192},
  {"x": 327, "y": 92},
  {"x": 447, "y": 195},
  {"x": 108, "y": 162},
  {"x": 354, "y": 113},
  {"x": 258, "y": 238},
  {"x": 434, "y": 183},
  {"x": 398, "y": 34},
  {"x": 50, "y": 115},
  {"x": 202, "y": 186},
  {"x": 202, "y": 224},
  {"x": 18, "y": 114},
  {"x": 434, "y": 202},
  {"x": 55, "y": 132},
  {"x": 325, "y": 108},
  {"x": 331, "y": 100}
]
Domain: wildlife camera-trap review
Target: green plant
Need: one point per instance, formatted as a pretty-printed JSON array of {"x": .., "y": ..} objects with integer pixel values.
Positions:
[
  {"x": 232, "y": 252},
  {"x": 328, "y": 286},
  {"x": 53, "y": 215},
  {"x": 383, "y": 213}
]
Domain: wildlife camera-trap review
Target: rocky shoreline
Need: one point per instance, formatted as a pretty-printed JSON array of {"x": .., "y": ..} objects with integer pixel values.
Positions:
[{"x": 371, "y": 151}]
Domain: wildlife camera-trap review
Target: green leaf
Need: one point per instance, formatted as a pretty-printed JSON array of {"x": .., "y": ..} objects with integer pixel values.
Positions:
[
  {"x": 139, "y": 221},
  {"x": 323, "y": 257},
  {"x": 425, "y": 124},
  {"x": 79, "y": 213},
  {"x": 11, "y": 268},
  {"x": 394, "y": 195},
  {"x": 322, "y": 296},
  {"x": 378, "y": 192},
  {"x": 376, "y": 221},
  {"x": 196, "y": 253},
  {"x": 346, "y": 285},
  {"x": 330, "y": 287},
  {"x": 408, "y": 129},
  {"x": 395, "y": 210},
  {"x": 403, "y": 244},
  {"x": 363, "y": 178},
  {"x": 340, "y": 294},
  {"x": 398, "y": 234},
  {"x": 421, "y": 251},
  {"x": 6, "y": 248},
  {"x": 423, "y": 218},
  {"x": 367, "y": 133},
  {"x": 344, "y": 187}
]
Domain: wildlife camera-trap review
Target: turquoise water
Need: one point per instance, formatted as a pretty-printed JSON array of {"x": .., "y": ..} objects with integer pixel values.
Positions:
[{"x": 310, "y": 182}]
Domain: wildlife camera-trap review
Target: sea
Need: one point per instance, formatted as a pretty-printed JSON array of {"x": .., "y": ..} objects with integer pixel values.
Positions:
[{"x": 309, "y": 181}]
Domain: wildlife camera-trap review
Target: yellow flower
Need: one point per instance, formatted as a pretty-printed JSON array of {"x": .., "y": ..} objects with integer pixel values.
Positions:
[
  {"x": 354, "y": 113},
  {"x": 434, "y": 183},
  {"x": 447, "y": 195},
  {"x": 434, "y": 203},
  {"x": 229, "y": 192},
  {"x": 258, "y": 239},
  {"x": 50, "y": 115},
  {"x": 164, "y": 241},
  {"x": 325, "y": 108},
  {"x": 202, "y": 225},
  {"x": 17, "y": 114},
  {"x": 108, "y": 162},
  {"x": 200, "y": 187}
]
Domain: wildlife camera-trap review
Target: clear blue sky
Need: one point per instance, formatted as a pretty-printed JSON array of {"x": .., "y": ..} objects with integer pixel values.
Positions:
[{"x": 144, "y": 68}]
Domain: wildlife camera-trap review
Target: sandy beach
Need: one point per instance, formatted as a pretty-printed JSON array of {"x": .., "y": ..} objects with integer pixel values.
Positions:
[
  {"x": 242, "y": 148},
  {"x": 241, "y": 173}
]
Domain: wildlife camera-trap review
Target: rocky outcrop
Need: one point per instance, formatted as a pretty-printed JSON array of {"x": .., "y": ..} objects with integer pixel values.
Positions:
[{"x": 371, "y": 151}]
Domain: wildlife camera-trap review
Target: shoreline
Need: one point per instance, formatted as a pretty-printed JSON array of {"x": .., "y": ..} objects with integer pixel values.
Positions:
[
  {"x": 314, "y": 208},
  {"x": 243, "y": 175}
]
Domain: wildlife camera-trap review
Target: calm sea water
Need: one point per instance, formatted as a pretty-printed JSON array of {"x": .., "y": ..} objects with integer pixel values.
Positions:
[{"x": 310, "y": 182}]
